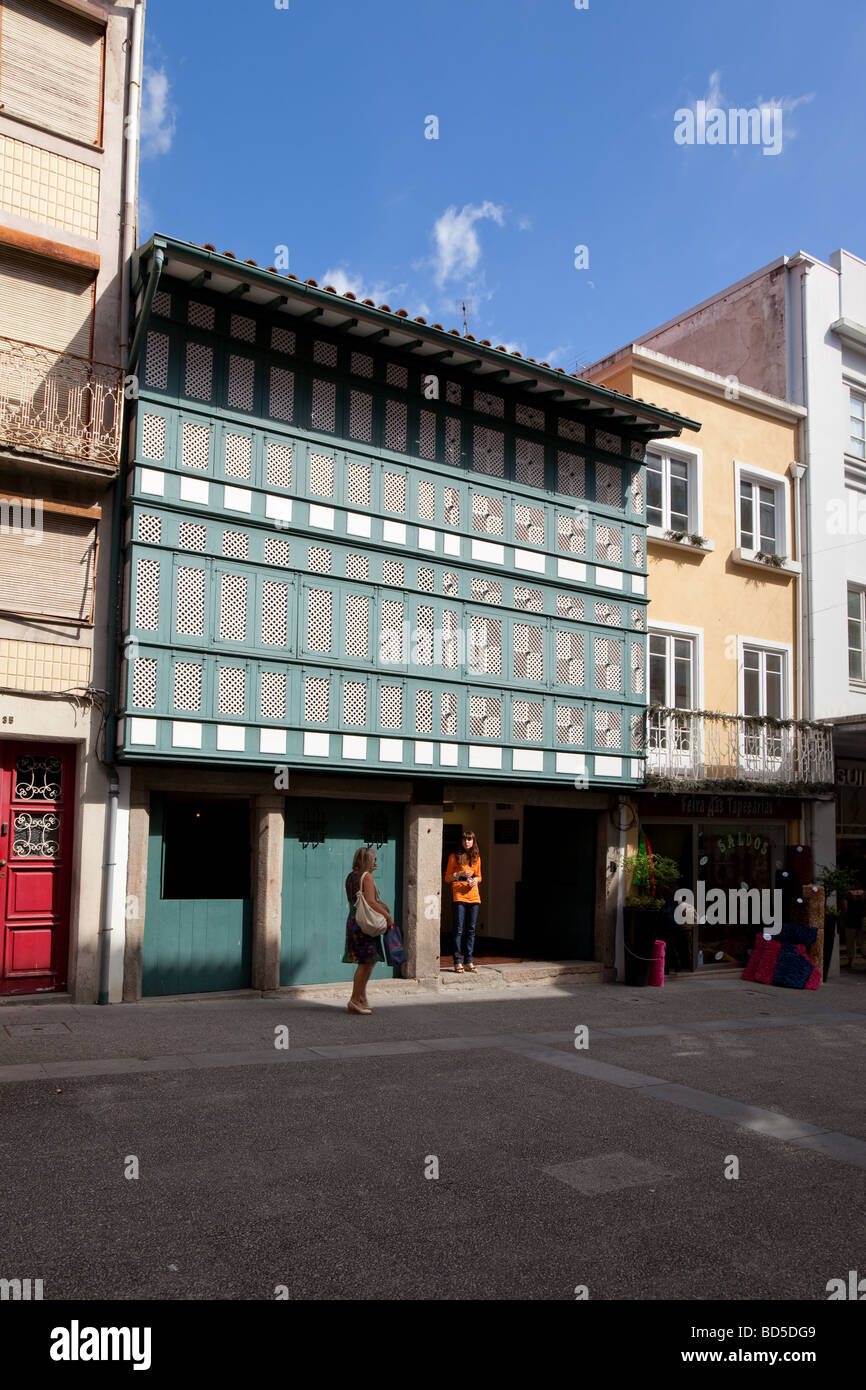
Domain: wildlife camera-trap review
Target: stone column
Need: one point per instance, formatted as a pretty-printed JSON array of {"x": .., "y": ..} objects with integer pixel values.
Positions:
[
  {"x": 268, "y": 848},
  {"x": 422, "y": 896},
  {"x": 136, "y": 889}
]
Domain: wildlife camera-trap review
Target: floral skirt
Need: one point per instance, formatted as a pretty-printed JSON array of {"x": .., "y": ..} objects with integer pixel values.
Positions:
[{"x": 361, "y": 949}]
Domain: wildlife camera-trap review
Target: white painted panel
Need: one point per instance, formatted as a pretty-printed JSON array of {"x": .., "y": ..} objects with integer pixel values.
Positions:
[
  {"x": 571, "y": 569},
  {"x": 527, "y": 760},
  {"x": 570, "y": 762},
  {"x": 394, "y": 531},
  {"x": 528, "y": 560},
  {"x": 185, "y": 735},
  {"x": 423, "y": 752},
  {"x": 194, "y": 490},
  {"x": 142, "y": 731},
  {"x": 451, "y": 545},
  {"x": 485, "y": 757},
  {"x": 391, "y": 750},
  {"x": 237, "y": 499},
  {"x": 426, "y": 539},
  {"x": 611, "y": 579},
  {"x": 151, "y": 481},
  {"x": 317, "y": 745},
  {"x": 322, "y": 517},
  {"x": 607, "y": 767},
  {"x": 354, "y": 746},
  {"x": 638, "y": 584},
  {"x": 486, "y": 550},
  {"x": 358, "y": 525},
  {"x": 448, "y": 754},
  {"x": 278, "y": 508},
  {"x": 231, "y": 738}
]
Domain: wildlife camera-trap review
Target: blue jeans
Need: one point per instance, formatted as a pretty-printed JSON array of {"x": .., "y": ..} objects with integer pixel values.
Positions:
[{"x": 465, "y": 916}]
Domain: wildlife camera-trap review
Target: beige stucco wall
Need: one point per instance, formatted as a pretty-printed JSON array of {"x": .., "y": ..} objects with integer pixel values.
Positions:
[{"x": 712, "y": 591}]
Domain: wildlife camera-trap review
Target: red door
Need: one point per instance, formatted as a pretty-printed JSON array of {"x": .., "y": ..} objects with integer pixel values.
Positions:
[{"x": 36, "y": 810}]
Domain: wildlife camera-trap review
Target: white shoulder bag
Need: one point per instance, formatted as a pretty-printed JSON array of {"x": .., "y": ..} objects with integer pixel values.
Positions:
[{"x": 372, "y": 923}]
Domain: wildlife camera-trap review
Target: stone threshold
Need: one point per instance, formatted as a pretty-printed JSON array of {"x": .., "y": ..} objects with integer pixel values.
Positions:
[{"x": 523, "y": 972}]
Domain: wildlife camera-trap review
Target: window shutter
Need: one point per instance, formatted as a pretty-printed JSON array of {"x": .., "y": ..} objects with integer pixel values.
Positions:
[
  {"x": 51, "y": 67},
  {"x": 45, "y": 302},
  {"x": 54, "y": 578}
]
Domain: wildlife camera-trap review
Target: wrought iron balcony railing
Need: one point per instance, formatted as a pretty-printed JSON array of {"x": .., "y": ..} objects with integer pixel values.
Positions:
[
  {"x": 58, "y": 403},
  {"x": 695, "y": 748}
]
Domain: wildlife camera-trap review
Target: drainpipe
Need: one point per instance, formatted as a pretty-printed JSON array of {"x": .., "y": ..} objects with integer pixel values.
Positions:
[
  {"x": 111, "y": 675},
  {"x": 619, "y": 953},
  {"x": 129, "y": 233}
]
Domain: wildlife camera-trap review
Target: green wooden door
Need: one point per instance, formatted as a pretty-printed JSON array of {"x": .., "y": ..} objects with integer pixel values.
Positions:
[
  {"x": 198, "y": 916},
  {"x": 314, "y": 876},
  {"x": 556, "y": 897}
]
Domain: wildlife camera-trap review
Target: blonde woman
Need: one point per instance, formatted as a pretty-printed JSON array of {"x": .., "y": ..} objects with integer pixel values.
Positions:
[{"x": 363, "y": 950}]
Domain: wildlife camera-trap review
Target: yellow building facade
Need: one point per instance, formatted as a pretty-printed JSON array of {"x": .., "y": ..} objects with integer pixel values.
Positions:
[{"x": 733, "y": 775}]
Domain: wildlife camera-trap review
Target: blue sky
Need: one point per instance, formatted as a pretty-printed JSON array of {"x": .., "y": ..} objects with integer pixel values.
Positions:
[{"x": 304, "y": 127}]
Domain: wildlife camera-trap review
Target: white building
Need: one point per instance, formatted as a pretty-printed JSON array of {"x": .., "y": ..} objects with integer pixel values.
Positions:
[{"x": 797, "y": 330}]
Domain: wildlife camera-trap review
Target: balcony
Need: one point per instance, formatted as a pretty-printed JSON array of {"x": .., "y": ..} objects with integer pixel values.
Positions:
[
  {"x": 55, "y": 403},
  {"x": 739, "y": 752}
]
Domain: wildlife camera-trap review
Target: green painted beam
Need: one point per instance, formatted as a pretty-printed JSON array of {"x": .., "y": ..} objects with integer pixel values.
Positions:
[
  {"x": 239, "y": 291},
  {"x": 277, "y": 302},
  {"x": 311, "y": 314},
  {"x": 200, "y": 279},
  {"x": 344, "y": 327}
]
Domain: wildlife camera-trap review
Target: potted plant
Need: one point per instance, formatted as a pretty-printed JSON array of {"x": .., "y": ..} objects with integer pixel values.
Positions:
[
  {"x": 651, "y": 874},
  {"x": 836, "y": 880}
]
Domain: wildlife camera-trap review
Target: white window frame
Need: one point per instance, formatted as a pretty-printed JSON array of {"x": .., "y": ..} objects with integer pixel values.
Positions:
[
  {"x": 667, "y": 755},
  {"x": 773, "y": 747},
  {"x": 857, "y": 393},
  {"x": 857, "y": 587},
  {"x": 782, "y": 488},
  {"x": 693, "y": 458}
]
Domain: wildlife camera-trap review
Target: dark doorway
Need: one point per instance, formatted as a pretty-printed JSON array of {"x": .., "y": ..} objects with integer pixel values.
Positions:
[{"x": 556, "y": 895}]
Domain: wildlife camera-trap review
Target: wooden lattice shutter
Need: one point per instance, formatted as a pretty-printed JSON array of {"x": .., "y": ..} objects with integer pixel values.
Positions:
[{"x": 51, "y": 67}]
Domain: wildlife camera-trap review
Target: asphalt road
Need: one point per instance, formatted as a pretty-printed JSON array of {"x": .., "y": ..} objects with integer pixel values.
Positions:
[{"x": 313, "y": 1168}]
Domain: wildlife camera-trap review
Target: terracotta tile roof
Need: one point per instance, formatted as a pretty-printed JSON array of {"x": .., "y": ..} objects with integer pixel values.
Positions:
[{"x": 404, "y": 314}]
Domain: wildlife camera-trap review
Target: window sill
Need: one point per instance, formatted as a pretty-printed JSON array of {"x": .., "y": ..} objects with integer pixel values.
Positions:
[
  {"x": 747, "y": 558},
  {"x": 658, "y": 536}
]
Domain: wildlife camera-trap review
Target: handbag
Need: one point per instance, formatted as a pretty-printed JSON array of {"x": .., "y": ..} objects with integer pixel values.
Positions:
[
  {"x": 372, "y": 923},
  {"x": 392, "y": 943}
]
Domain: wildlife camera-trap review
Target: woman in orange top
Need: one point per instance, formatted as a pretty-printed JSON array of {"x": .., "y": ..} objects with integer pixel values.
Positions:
[{"x": 464, "y": 875}]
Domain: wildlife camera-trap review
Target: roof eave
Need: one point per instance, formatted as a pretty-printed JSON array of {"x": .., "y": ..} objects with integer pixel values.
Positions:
[{"x": 542, "y": 382}]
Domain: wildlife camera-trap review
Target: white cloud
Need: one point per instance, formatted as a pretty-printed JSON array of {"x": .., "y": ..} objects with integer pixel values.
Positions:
[
  {"x": 555, "y": 356},
  {"x": 524, "y": 225},
  {"x": 398, "y": 296},
  {"x": 157, "y": 113},
  {"x": 458, "y": 249}
]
